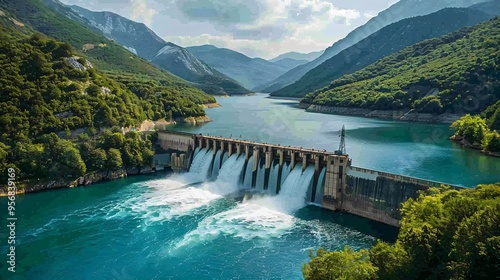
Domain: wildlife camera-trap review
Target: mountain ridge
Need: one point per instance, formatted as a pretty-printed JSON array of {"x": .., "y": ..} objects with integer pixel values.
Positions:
[
  {"x": 250, "y": 72},
  {"x": 455, "y": 73},
  {"x": 142, "y": 41},
  {"x": 298, "y": 56},
  {"x": 387, "y": 40},
  {"x": 398, "y": 11}
]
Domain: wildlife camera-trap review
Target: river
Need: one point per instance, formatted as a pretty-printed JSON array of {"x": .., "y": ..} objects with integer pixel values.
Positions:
[{"x": 156, "y": 227}]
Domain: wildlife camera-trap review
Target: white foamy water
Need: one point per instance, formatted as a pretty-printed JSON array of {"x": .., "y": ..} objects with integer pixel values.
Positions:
[
  {"x": 198, "y": 171},
  {"x": 247, "y": 221},
  {"x": 170, "y": 198},
  {"x": 259, "y": 217},
  {"x": 228, "y": 177}
]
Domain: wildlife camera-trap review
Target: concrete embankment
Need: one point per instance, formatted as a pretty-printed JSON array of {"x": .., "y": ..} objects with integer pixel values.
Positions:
[{"x": 400, "y": 115}]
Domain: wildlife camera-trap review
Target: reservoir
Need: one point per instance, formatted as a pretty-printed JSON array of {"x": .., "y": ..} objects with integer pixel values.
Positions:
[{"x": 161, "y": 227}]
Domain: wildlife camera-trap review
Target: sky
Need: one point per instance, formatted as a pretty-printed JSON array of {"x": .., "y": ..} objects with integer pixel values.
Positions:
[{"x": 257, "y": 28}]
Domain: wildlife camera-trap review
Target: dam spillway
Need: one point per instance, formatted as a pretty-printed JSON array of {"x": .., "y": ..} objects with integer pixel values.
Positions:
[{"x": 327, "y": 179}]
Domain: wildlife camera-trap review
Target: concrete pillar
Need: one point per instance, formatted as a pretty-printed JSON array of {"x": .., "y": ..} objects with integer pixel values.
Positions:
[
  {"x": 207, "y": 142},
  {"x": 256, "y": 161},
  {"x": 230, "y": 149},
  {"x": 269, "y": 158},
  {"x": 182, "y": 160},
  {"x": 292, "y": 161},
  {"x": 247, "y": 152},
  {"x": 280, "y": 170},
  {"x": 222, "y": 148},
  {"x": 315, "y": 178},
  {"x": 282, "y": 157},
  {"x": 331, "y": 184},
  {"x": 238, "y": 149},
  {"x": 269, "y": 162},
  {"x": 256, "y": 158},
  {"x": 200, "y": 143},
  {"x": 304, "y": 161},
  {"x": 214, "y": 146}
]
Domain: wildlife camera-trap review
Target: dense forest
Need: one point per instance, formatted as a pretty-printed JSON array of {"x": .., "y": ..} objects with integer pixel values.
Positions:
[
  {"x": 457, "y": 73},
  {"x": 48, "y": 92},
  {"x": 444, "y": 234},
  {"x": 480, "y": 131},
  {"x": 105, "y": 54},
  {"x": 382, "y": 43}
]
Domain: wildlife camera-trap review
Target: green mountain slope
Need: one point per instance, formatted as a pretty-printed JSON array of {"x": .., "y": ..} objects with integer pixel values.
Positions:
[
  {"x": 398, "y": 11},
  {"x": 388, "y": 40},
  {"x": 105, "y": 54},
  {"x": 457, "y": 73},
  {"x": 48, "y": 91}
]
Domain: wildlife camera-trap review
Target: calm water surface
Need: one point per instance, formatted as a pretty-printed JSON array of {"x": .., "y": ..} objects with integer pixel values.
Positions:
[{"x": 412, "y": 149}]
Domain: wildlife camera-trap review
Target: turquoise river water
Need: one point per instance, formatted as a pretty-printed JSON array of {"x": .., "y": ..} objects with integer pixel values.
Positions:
[{"x": 161, "y": 227}]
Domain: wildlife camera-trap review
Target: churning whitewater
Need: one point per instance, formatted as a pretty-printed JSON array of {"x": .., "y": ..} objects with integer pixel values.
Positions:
[
  {"x": 188, "y": 226},
  {"x": 259, "y": 213}
]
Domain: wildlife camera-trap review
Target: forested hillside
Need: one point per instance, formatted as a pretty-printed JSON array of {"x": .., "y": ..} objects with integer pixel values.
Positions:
[
  {"x": 48, "y": 91},
  {"x": 456, "y": 73},
  {"x": 480, "y": 131},
  {"x": 399, "y": 10},
  {"x": 388, "y": 40},
  {"x": 444, "y": 234},
  {"x": 105, "y": 54}
]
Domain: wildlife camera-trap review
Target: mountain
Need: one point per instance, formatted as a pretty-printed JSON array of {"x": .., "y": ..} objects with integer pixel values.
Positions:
[
  {"x": 455, "y": 73},
  {"x": 110, "y": 58},
  {"x": 298, "y": 56},
  {"x": 250, "y": 72},
  {"x": 290, "y": 63},
  {"x": 134, "y": 36},
  {"x": 184, "y": 64},
  {"x": 389, "y": 39},
  {"x": 142, "y": 41},
  {"x": 400, "y": 10},
  {"x": 491, "y": 7}
]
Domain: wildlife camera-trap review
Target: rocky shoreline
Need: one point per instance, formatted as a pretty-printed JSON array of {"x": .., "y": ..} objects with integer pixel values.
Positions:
[
  {"x": 399, "y": 115},
  {"x": 86, "y": 180},
  {"x": 464, "y": 143}
]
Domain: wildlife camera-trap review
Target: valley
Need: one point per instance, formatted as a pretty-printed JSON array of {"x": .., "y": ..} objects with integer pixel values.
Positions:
[{"x": 250, "y": 140}]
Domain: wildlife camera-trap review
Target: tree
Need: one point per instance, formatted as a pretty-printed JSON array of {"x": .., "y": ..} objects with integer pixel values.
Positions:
[
  {"x": 98, "y": 159},
  {"x": 346, "y": 264},
  {"x": 113, "y": 160},
  {"x": 392, "y": 260},
  {"x": 444, "y": 234}
]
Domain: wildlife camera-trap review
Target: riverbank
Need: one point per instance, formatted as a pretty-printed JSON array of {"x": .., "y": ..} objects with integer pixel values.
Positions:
[
  {"x": 464, "y": 143},
  {"x": 86, "y": 180},
  {"x": 400, "y": 115}
]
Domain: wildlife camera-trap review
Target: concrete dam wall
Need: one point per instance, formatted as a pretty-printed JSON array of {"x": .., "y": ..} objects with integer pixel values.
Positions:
[{"x": 334, "y": 183}]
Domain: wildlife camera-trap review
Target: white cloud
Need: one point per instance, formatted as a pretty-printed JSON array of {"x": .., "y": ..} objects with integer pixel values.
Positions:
[
  {"x": 254, "y": 27},
  {"x": 370, "y": 14},
  {"x": 141, "y": 12}
]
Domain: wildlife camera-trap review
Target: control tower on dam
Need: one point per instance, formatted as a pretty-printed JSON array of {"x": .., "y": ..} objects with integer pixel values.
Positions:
[{"x": 336, "y": 184}]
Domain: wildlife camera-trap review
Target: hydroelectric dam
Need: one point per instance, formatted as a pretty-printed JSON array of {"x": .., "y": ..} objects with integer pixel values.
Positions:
[{"x": 326, "y": 179}]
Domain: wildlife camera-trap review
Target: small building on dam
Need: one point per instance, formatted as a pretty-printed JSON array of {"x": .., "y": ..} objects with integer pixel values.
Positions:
[{"x": 334, "y": 184}]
